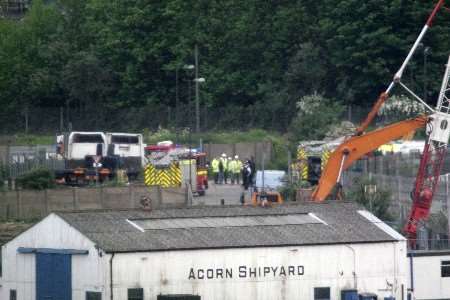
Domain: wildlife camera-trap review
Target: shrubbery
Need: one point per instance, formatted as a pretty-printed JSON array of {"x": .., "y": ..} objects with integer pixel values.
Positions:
[
  {"x": 374, "y": 197},
  {"x": 37, "y": 179}
]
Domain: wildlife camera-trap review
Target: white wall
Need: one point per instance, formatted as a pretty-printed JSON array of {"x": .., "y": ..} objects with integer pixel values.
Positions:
[
  {"x": 376, "y": 265},
  {"x": 89, "y": 272},
  {"x": 428, "y": 283}
]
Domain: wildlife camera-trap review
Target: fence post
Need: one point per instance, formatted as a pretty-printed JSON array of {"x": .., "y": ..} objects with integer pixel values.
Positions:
[
  {"x": 45, "y": 202},
  {"x": 448, "y": 202},
  {"x": 381, "y": 164},
  {"x": 75, "y": 199},
  {"x": 18, "y": 204},
  {"x": 399, "y": 199}
]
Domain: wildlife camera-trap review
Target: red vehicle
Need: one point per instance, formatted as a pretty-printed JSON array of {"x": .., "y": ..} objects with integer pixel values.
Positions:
[
  {"x": 186, "y": 155},
  {"x": 202, "y": 172}
]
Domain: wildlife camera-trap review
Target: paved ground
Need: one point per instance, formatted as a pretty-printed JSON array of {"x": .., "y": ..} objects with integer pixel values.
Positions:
[{"x": 229, "y": 192}]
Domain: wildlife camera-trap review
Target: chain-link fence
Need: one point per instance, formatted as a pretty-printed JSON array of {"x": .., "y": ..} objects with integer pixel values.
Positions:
[
  {"x": 55, "y": 119},
  {"x": 396, "y": 173}
]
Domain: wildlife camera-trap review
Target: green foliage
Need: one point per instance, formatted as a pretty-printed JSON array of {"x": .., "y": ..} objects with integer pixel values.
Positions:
[
  {"x": 97, "y": 57},
  {"x": 289, "y": 190},
  {"x": 183, "y": 136},
  {"x": 316, "y": 115},
  {"x": 378, "y": 202},
  {"x": 37, "y": 179},
  {"x": 29, "y": 139}
]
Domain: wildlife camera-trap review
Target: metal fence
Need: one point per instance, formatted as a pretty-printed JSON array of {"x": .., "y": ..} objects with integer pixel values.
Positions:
[
  {"x": 56, "y": 119},
  {"x": 396, "y": 173},
  {"x": 14, "y": 170},
  {"x": 17, "y": 160}
]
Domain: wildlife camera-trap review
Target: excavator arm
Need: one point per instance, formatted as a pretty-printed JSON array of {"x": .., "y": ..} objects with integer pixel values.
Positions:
[{"x": 356, "y": 147}]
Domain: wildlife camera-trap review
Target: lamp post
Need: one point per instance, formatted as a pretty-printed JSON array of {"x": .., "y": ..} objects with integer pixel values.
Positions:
[
  {"x": 197, "y": 102},
  {"x": 177, "y": 97},
  {"x": 197, "y": 80}
]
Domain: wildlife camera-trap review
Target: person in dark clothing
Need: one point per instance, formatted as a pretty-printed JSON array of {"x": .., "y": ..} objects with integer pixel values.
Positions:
[
  {"x": 221, "y": 172},
  {"x": 246, "y": 175},
  {"x": 252, "y": 165}
]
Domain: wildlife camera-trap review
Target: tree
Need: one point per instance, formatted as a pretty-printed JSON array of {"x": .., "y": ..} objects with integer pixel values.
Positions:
[
  {"x": 373, "y": 197},
  {"x": 315, "y": 116}
]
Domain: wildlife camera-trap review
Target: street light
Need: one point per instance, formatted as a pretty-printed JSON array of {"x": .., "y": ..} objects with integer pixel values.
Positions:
[{"x": 185, "y": 67}]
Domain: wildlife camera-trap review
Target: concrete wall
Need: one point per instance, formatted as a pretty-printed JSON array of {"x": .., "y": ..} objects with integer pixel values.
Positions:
[
  {"x": 380, "y": 268},
  {"x": 244, "y": 150},
  {"x": 19, "y": 271},
  {"x": 25, "y": 204},
  {"x": 427, "y": 279}
]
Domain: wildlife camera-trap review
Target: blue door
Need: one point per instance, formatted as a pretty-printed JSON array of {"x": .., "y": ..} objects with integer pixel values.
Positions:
[{"x": 53, "y": 276}]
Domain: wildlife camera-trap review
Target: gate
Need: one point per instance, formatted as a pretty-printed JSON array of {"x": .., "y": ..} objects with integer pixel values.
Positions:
[{"x": 53, "y": 276}]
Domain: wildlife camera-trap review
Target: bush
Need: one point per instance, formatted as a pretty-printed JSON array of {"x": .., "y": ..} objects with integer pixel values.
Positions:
[
  {"x": 316, "y": 115},
  {"x": 37, "y": 179},
  {"x": 377, "y": 202}
]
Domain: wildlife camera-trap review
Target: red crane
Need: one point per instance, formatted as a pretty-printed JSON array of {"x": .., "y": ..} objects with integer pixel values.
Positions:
[{"x": 438, "y": 129}]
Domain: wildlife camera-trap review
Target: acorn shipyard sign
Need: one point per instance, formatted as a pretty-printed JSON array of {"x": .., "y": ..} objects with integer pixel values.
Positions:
[{"x": 246, "y": 272}]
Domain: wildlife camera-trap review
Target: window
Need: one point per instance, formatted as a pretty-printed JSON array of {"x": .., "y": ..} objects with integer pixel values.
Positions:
[
  {"x": 135, "y": 294},
  {"x": 124, "y": 139},
  {"x": 12, "y": 295},
  {"x": 445, "y": 268},
  {"x": 322, "y": 293},
  {"x": 93, "y": 296},
  {"x": 88, "y": 138}
]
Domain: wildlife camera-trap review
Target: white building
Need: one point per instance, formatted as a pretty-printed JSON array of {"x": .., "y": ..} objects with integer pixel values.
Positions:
[
  {"x": 430, "y": 274},
  {"x": 289, "y": 252}
]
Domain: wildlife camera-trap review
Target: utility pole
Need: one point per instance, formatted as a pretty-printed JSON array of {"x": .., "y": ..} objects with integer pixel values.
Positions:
[
  {"x": 176, "y": 100},
  {"x": 197, "y": 100}
]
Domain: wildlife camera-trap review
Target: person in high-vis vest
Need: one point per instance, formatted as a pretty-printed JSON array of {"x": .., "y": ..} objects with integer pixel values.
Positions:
[
  {"x": 231, "y": 167},
  {"x": 237, "y": 169},
  {"x": 228, "y": 171},
  {"x": 215, "y": 169}
]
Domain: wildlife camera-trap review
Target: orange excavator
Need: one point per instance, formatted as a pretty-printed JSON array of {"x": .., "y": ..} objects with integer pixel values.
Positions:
[{"x": 362, "y": 143}]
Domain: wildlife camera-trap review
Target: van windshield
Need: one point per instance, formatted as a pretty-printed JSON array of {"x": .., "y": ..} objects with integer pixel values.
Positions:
[{"x": 88, "y": 138}]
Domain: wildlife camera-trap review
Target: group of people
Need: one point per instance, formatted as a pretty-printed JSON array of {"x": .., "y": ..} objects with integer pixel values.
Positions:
[{"x": 227, "y": 169}]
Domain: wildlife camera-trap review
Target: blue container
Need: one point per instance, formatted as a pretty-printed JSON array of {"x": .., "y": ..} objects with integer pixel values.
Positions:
[
  {"x": 389, "y": 298},
  {"x": 349, "y": 295},
  {"x": 367, "y": 296}
]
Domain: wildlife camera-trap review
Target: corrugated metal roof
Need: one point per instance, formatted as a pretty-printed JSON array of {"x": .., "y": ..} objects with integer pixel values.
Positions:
[
  {"x": 227, "y": 227},
  {"x": 208, "y": 222}
]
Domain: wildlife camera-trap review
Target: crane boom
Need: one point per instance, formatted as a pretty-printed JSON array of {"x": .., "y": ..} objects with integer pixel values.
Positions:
[{"x": 397, "y": 77}]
